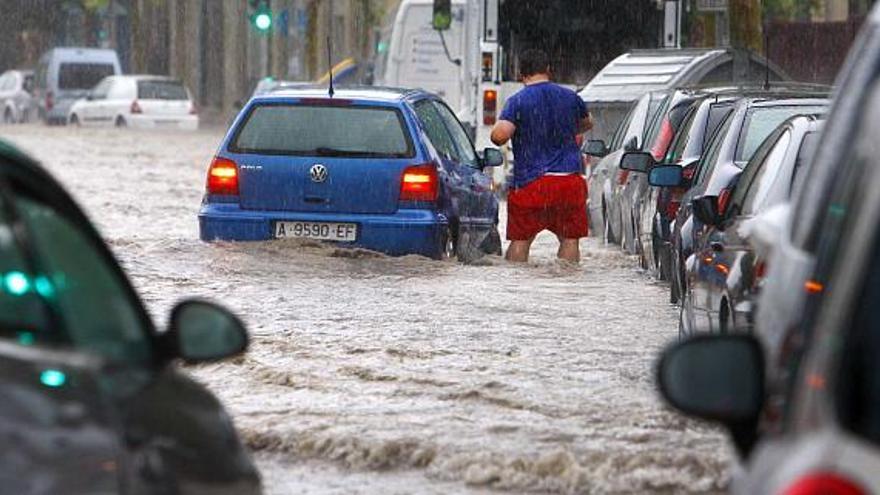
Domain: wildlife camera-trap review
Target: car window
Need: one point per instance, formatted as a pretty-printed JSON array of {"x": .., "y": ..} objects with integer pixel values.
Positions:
[
  {"x": 618, "y": 140},
  {"x": 676, "y": 151},
  {"x": 761, "y": 121},
  {"x": 717, "y": 114},
  {"x": 102, "y": 89},
  {"x": 459, "y": 136},
  {"x": 82, "y": 76},
  {"x": 761, "y": 183},
  {"x": 5, "y": 82},
  {"x": 323, "y": 130},
  {"x": 753, "y": 168},
  {"x": 70, "y": 292},
  {"x": 161, "y": 90},
  {"x": 434, "y": 127},
  {"x": 656, "y": 121},
  {"x": 707, "y": 163}
]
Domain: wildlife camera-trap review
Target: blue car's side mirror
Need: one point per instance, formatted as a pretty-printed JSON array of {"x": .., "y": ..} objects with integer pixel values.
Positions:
[{"x": 492, "y": 157}]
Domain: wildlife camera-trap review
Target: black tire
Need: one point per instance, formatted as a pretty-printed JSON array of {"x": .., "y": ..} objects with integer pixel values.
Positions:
[
  {"x": 725, "y": 318},
  {"x": 609, "y": 234},
  {"x": 7, "y": 117},
  {"x": 447, "y": 249},
  {"x": 120, "y": 122},
  {"x": 492, "y": 243},
  {"x": 74, "y": 120}
]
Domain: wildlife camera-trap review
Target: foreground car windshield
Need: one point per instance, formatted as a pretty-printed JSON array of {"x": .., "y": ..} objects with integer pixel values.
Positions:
[
  {"x": 324, "y": 131},
  {"x": 762, "y": 121}
]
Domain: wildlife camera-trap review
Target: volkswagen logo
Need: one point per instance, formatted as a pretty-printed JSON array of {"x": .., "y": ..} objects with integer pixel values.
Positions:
[{"x": 318, "y": 173}]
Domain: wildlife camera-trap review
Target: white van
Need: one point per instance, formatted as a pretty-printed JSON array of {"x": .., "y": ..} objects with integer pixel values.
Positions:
[{"x": 65, "y": 75}]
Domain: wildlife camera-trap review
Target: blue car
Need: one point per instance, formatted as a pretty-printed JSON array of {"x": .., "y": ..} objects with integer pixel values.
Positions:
[{"x": 389, "y": 170}]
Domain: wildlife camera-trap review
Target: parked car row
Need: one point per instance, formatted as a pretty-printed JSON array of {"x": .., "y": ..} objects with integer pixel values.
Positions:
[
  {"x": 86, "y": 87},
  {"x": 779, "y": 294}
]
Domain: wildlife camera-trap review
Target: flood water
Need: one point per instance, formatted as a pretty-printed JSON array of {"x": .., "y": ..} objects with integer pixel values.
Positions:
[{"x": 370, "y": 374}]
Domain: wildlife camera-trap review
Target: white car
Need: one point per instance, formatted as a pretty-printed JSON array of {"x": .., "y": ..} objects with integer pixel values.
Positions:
[
  {"x": 16, "y": 96},
  {"x": 136, "y": 101}
]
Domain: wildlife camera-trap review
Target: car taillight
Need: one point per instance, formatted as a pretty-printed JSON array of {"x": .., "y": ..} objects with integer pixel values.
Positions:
[
  {"x": 419, "y": 183},
  {"x": 136, "y": 107},
  {"x": 723, "y": 201},
  {"x": 50, "y": 101},
  {"x": 824, "y": 484},
  {"x": 223, "y": 177},
  {"x": 490, "y": 106}
]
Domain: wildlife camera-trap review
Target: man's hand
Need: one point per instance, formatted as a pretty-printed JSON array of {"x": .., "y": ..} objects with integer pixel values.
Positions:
[
  {"x": 502, "y": 132},
  {"x": 586, "y": 124}
]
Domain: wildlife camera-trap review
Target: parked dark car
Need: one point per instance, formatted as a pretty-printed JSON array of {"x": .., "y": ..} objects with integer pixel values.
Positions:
[
  {"x": 92, "y": 401},
  {"x": 733, "y": 145},
  {"x": 726, "y": 273}
]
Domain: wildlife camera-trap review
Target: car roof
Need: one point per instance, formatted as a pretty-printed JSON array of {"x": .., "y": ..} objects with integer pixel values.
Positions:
[
  {"x": 632, "y": 74},
  {"x": 364, "y": 93}
]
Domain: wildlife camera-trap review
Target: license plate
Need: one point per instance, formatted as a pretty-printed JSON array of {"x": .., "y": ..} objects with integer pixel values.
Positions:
[{"x": 321, "y": 231}]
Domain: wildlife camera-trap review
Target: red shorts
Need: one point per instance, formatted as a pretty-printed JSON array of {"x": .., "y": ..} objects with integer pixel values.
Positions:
[{"x": 557, "y": 203}]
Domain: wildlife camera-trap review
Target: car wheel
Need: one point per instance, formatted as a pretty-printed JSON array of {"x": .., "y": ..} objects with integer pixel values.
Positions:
[
  {"x": 74, "y": 120},
  {"x": 492, "y": 243},
  {"x": 447, "y": 246},
  {"x": 120, "y": 122},
  {"x": 606, "y": 227},
  {"x": 7, "y": 117}
]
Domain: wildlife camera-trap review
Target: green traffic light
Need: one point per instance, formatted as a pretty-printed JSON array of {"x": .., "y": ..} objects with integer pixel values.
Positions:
[{"x": 263, "y": 21}]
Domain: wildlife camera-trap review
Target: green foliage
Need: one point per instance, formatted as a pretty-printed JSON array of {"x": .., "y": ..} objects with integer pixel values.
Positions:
[{"x": 789, "y": 10}]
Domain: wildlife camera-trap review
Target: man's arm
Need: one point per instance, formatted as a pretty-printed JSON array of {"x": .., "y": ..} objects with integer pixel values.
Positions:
[
  {"x": 502, "y": 132},
  {"x": 585, "y": 124}
]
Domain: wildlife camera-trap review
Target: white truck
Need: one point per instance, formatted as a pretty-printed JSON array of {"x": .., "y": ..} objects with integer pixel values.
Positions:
[{"x": 466, "y": 72}]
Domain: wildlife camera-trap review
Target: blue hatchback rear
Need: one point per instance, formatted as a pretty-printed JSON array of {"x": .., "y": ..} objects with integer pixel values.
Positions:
[{"x": 382, "y": 169}]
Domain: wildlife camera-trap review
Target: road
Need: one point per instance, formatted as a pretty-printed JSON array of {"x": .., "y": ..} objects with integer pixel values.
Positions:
[{"x": 370, "y": 374}]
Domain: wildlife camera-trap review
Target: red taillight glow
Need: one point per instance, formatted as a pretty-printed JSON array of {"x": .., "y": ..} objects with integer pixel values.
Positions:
[
  {"x": 672, "y": 209},
  {"x": 490, "y": 106},
  {"x": 223, "y": 177},
  {"x": 824, "y": 484},
  {"x": 136, "y": 107},
  {"x": 419, "y": 183},
  {"x": 723, "y": 201},
  {"x": 813, "y": 287}
]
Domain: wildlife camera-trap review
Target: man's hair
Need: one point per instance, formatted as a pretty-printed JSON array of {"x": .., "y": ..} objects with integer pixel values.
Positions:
[{"x": 533, "y": 61}]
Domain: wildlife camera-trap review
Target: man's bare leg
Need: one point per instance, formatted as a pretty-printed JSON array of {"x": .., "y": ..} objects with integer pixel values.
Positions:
[
  {"x": 569, "y": 250},
  {"x": 518, "y": 251}
]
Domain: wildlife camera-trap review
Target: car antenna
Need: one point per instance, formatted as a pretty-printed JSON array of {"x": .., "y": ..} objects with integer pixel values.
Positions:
[{"x": 330, "y": 65}]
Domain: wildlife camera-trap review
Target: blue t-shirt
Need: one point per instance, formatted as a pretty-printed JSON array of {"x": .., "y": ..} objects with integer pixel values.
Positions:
[{"x": 546, "y": 117}]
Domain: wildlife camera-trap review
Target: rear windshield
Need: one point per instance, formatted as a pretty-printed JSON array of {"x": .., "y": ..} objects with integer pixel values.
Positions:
[
  {"x": 161, "y": 90},
  {"x": 760, "y": 122},
  {"x": 83, "y": 76},
  {"x": 319, "y": 130}
]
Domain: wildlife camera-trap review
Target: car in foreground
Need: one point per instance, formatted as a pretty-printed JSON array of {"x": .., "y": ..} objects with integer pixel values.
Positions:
[
  {"x": 143, "y": 102},
  {"x": 819, "y": 431},
  {"x": 389, "y": 170},
  {"x": 93, "y": 401},
  {"x": 66, "y": 74},
  {"x": 17, "y": 103}
]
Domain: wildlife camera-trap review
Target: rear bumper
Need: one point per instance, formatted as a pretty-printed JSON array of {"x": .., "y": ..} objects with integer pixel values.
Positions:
[
  {"x": 408, "y": 231},
  {"x": 180, "y": 122}
]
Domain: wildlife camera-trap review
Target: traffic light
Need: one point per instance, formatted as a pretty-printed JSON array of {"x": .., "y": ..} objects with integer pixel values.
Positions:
[
  {"x": 262, "y": 18},
  {"x": 442, "y": 19}
]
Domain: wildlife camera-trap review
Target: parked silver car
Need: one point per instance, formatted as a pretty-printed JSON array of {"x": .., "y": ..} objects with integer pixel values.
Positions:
[{"x": 17, "y": 102}]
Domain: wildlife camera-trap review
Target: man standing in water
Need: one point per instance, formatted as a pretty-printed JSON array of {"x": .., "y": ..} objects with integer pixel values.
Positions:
[{"x": 548, "y": 192}]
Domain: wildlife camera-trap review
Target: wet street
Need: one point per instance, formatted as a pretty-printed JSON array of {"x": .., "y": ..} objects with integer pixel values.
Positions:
[{"x": 369, "y": 374}]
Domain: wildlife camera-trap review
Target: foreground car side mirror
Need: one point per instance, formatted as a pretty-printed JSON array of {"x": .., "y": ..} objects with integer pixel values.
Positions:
[
  {"x": 666, "y": 176},
  {"x": 717, "y": 378},
  {"x": 596, "y": 147},
  {"x": 201, "y": 331},
  {"x": 637, "y": 161},
  {"x": 705, "y": 209},
  {"x": 492, "y": 157}
]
